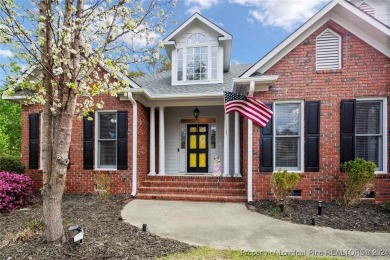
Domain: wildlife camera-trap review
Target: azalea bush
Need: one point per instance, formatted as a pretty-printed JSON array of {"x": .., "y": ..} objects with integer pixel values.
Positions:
[{"x": 16, "y": 191}]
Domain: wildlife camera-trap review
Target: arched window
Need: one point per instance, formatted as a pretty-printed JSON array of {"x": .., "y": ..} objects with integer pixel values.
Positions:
[
  {"x": 197, "y": 38},
  {"x": 328, "y": 50}
]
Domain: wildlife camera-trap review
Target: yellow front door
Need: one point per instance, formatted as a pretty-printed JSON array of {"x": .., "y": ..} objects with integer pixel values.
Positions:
[{"x": 197, "y": 148}]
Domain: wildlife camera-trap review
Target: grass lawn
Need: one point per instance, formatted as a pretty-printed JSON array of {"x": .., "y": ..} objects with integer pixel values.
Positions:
[{"x": 212, "y": 254}]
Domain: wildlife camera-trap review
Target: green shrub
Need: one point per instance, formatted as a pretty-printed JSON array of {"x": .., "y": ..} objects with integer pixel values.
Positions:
[
  {"x": 386, "y": 207},
  {"x": 12, "y": 164},
  {"x": 359, "y": 175},
  {"x": 283, "y": 182}
]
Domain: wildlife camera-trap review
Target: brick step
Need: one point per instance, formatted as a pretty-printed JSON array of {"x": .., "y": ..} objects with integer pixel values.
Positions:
[
  {"x": 192, "y": 191},
  {"x": 187, "y": 197},
  {"x": 195, "y": 178},
  {"x": 193, "y": 184}
]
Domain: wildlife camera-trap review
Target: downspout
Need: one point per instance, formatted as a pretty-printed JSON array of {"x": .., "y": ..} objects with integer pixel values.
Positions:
[
  {"x": 250, "y": 148},
  {"x": 135, "y": 141}
]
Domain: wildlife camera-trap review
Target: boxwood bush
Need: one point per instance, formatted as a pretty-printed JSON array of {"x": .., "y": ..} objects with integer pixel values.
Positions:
[
  {"x": 283, "y": 183},
  {"x": 359, "y": 175},
  {"x": 12, "y": 164},
  {"x": 16, "y": 191}
]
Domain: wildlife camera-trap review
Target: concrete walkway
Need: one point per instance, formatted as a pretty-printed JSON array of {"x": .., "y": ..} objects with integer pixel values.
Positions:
[{"x": 232, "y": 225}]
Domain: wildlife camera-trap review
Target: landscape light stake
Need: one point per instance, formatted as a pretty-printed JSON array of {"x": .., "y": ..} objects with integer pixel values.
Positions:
[
  {"x": 313, "y": 221},
  {"x": 319, "y": 208},
  {"x": 144, "y": 227}
]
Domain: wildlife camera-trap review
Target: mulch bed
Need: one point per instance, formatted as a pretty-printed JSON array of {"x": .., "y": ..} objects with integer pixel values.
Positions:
[
  {"x": 106, "y": 235},
  {"x": 363, "y": 217}
]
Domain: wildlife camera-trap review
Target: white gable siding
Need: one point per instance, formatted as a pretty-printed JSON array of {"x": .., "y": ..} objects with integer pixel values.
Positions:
[
  {"x": 381, "y": 9},
  {"x": 328, "y": 50},
  {"x": 367, "y": 8}
]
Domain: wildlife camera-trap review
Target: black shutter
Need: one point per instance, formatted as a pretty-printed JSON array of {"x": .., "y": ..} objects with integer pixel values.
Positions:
[
  {"x": 122, "y": 140},
  {"x": 312, "y": 136},
  {"x": 33, "y": 156},
  {"x": 88, "y": 142},
  {"x": 347, "y": 130},
  {"x": 266, "y": 146}
]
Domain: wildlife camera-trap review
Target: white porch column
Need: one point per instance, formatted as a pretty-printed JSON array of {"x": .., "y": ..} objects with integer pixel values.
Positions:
[
  {"x": 161, "y": 142},
  {"x": 250, "y": 148},
  {"x": 226, "y": 148},
  {"x": 237, "y": 145},
  {"x": 152, "y": 138}
]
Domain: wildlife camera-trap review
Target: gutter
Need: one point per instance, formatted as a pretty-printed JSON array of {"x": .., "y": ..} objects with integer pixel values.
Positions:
[
  {"x": 250, "y": 148},
  {"x": 135, "y": 148}
]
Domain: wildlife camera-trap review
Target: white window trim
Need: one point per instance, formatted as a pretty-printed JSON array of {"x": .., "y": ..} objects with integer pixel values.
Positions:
[
  {"x": 384, "y": 130},
  {"x": 302, "y": 135},
  {"x": 96, "y": 153},
  {"x": 340, "y": 50},
  {"x": 209, "y": 61}
]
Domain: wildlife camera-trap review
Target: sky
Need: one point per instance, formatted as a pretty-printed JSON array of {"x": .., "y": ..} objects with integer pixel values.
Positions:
[{"x": 257, "y": 26}]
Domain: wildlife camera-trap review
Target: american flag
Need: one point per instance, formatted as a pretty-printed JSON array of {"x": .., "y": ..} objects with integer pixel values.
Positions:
[{"x": 248, "y": 107}]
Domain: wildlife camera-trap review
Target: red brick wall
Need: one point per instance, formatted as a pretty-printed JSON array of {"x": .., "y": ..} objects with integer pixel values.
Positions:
[
  {"x": 365, "y": 72},
  {"x": 143, "y": 143},
  {"x": 79, "y": 180}
]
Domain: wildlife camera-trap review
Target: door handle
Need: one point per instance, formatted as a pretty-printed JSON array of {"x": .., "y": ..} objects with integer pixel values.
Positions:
[{"x": 178, "y": 149}]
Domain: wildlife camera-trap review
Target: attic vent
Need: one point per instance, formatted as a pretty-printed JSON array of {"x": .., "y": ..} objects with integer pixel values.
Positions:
[
  {"x": 328, "y": 54},
  {"x": 367, "y": 8},
  {"x": 197, "y": 38}
]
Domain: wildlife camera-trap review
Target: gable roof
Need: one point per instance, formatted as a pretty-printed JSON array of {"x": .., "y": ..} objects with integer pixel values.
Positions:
[
  {"x": 344, "y": 13},
  {"x": 197, "y": 16},
  {"x": 225, "y": 38}
]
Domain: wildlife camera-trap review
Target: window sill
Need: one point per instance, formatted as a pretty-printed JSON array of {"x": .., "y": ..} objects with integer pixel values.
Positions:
[
  {"x": 333, "y": 71},
  {"x": 380, "y": 172},
  {"x": 106, "y": 169}
]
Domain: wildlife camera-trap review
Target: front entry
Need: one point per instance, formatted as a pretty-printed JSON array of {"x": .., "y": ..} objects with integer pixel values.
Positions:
[{"x": 197, "y": 148}]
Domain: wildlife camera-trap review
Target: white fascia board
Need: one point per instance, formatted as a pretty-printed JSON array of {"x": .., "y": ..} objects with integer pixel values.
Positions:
[
  {"x": 262, "y": 79},
  {"x": 368, "y": 18},
  {"x": 202, "y": 19},
  {"x": 13, "y": 97},
  {"x": 305, "y": 30},
  {"x": 172, "y": 96}
]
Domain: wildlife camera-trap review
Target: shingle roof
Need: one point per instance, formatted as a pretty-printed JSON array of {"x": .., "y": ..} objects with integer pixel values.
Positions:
[{"x": 160, "y": 83}]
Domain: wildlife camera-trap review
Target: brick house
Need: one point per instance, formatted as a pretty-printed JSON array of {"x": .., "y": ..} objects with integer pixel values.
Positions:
[{"x": 327, "y": 83}]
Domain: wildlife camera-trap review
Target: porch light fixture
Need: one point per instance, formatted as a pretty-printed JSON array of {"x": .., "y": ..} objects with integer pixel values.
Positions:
[{"x": 196, "y": 113}]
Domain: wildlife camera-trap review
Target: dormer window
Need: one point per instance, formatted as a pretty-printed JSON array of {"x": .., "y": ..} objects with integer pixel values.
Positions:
[
  {"x": 197, "y": 60},
  {"x": 328, "y": 50}
]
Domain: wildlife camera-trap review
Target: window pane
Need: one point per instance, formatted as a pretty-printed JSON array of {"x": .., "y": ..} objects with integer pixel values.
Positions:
[
  {"x": 287, "y": 154},
  {"x": 287, "y": 118},
  {"x": 197, "y": 60},
  {"x": 183, "y": 138},
  {"x": 369, "y": 148},
  {"x": 179, "y": 64},
  {"x": 107, "y": 125},
  {"x": 213, "y": 135},
  {"x": 107, "y": 153},
  {"x": 368, "y": 117}
]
